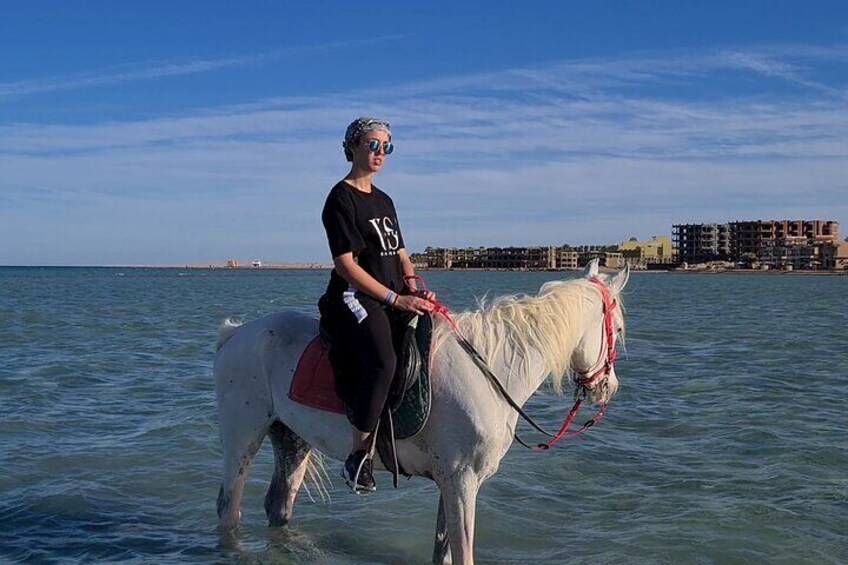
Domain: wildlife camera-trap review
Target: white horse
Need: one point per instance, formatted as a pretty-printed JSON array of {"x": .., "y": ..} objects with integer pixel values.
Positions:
[{"x": 523, "y": 340}]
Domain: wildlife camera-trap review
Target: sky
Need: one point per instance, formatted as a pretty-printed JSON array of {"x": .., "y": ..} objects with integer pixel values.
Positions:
[{"x": 172, "y": 133}]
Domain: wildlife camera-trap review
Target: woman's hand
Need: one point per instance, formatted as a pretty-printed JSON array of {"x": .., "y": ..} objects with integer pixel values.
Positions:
[
  {"x": 426, "y": 294},
  {"x": 412, "y": 303}
]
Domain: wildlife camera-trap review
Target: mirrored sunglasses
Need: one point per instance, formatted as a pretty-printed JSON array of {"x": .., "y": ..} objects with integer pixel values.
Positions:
[{"x": 374, "y": 146}]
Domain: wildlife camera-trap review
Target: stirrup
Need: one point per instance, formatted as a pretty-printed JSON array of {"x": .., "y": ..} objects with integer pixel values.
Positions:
[{"x": 353, "y": 484}]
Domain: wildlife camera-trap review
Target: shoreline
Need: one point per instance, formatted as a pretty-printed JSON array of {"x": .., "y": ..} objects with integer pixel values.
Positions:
[
  {"x": 321, "y": 267},
  {"x": 769, "y": 272}
]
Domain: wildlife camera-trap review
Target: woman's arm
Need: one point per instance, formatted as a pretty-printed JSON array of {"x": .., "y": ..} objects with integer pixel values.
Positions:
[
  {"x": 408, "y": 269},
  {"x": 349, "y": 270}
]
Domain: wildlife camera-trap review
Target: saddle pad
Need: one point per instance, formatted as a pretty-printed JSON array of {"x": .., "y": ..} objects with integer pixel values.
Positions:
[
  {"x": 414, "y": 409},
  {"x": 313, "y": 383}
]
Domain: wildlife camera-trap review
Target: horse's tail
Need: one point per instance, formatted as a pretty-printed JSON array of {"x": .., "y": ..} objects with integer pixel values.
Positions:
[
  {"x": 225, "y": 331},
  {"x": 316, "y": 475}
]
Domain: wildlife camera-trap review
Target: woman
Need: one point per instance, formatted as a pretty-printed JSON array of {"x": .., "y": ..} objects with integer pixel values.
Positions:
[{"x": 372, "y": 288}]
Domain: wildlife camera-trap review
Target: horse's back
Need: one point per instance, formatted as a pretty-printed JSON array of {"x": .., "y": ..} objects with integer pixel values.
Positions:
[
  {"x": 251, "y": 349},
  {"x": 291, "y": 327}
]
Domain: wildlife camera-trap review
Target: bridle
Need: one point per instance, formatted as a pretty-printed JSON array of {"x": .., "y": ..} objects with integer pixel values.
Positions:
[
  {"x": 597, "y": 375},
  {"x": 606, "y": 359}
]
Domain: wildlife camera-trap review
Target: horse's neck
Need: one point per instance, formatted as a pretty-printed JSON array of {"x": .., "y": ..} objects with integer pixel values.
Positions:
[
  {"x": 521, "y": 364},
  {"x": 526, "y": 370},
  {"x": 523, "y": 372}
]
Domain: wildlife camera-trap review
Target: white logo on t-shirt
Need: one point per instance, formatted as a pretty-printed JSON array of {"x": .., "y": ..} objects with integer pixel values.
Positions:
[{"x": 389, "y": 239}]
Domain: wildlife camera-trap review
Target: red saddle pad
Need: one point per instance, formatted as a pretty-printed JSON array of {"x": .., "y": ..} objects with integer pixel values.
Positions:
[{"x": 313, "y": 383}]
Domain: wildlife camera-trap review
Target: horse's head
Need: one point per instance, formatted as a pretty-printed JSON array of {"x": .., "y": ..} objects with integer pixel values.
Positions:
[{"x": 593, "y": 361}]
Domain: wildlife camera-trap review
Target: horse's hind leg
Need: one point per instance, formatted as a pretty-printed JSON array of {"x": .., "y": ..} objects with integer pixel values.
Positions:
[
  {"x": 240, "y": 441},
  {"x": 291, "y": 454}
]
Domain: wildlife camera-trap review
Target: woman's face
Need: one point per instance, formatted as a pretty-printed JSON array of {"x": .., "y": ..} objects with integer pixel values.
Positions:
[{"x": 364, "y": 158}]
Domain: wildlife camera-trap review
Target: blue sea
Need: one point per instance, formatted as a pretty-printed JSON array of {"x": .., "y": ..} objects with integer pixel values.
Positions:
[{"x": 726, "y": 443}]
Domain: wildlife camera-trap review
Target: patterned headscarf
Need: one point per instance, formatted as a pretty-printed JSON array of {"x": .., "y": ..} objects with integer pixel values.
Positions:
[{"x": 358, "y": 128}]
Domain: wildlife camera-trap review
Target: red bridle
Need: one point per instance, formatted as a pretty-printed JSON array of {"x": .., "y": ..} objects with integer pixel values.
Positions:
[
  {"x": 590, "y": 377},
  {"x": 608, "y": 336}
]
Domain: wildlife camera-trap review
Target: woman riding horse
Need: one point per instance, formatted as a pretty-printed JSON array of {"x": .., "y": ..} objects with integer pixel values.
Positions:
[{"x": 372, "y": 284}]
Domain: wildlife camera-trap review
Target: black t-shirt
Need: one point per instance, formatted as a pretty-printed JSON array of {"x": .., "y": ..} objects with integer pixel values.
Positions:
[{"x": 366, "y": 225}]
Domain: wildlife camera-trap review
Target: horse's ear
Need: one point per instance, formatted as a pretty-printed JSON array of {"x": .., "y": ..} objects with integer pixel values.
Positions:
[
  {"x": 620, "y": 280},
  {"x": 591, "y": 270}
]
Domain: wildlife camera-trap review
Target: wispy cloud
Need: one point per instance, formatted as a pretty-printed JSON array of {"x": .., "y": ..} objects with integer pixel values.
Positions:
[
  {"x": 767, "y": 66},
  {"x": 162, "y": 69},
  {"x": 580, "y": 151}
]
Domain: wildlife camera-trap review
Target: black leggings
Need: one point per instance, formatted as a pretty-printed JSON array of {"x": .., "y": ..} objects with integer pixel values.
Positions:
[{"x": 364, "y": 354}]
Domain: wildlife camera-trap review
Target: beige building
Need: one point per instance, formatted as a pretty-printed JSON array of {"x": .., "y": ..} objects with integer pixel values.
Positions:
[
  {"x": 834, "y": 255},
  {"x": 609, "y": 259},
  {"x": 612, "y": 260},
  {"x": 639, "y": 253},
  {"x": 565, "y": 258}
]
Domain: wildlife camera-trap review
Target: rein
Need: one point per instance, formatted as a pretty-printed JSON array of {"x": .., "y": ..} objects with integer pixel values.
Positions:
[{"x": 583, "y": 382}]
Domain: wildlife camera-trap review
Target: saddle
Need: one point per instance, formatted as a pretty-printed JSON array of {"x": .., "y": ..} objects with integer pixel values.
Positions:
[{"x": 323, "y": 371}]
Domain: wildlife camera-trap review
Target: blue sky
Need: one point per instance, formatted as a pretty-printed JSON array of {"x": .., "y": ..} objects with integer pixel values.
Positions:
[{"x": 188, "y": 132}]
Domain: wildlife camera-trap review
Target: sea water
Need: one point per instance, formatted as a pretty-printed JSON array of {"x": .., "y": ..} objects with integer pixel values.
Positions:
[{"x": 726, "y": 443}]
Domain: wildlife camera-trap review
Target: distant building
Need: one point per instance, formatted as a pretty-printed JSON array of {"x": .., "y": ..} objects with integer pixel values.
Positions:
[
  {"x": 774, "y": 244},
  {"x": 419, "y": 260},
  {"x": 755, "y": 237},
  {"x": 565, "y": 258},
  {"x": 778, "y": 244},
  {"x": 700, "y": 243},
  {"x": 506, "y": 258},
  {"x": 834, "y": 255},
  {"x": 232, "y": 263},
  {"x": 611, "y": 259},
  {"x": 639, "y": 254}
]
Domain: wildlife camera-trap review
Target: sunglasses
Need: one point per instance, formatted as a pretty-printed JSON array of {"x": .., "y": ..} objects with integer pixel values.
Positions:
[{"x": 374, "y": 146}]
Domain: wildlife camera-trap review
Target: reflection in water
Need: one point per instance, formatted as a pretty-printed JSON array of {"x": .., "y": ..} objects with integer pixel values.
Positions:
[{"x": 283, "y": 545}]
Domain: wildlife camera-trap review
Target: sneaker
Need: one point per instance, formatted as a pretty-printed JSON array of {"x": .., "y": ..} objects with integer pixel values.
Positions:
[{"x": 358, "y": 473}]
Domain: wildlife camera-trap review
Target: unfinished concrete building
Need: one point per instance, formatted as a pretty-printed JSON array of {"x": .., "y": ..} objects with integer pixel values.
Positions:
[
  {"x": 782, "y": 244},
  {"x": 758, "y": 236},
  {"x": 700, "y": 243}
]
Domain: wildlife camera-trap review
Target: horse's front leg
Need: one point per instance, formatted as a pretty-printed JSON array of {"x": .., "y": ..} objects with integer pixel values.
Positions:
[
  {"x": 459, "y": 495},
  {"x": 441, "y": 548}
]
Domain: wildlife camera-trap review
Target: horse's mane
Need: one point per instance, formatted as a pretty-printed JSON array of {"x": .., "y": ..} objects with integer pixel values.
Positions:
[{"x": 548, "y": 323}]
